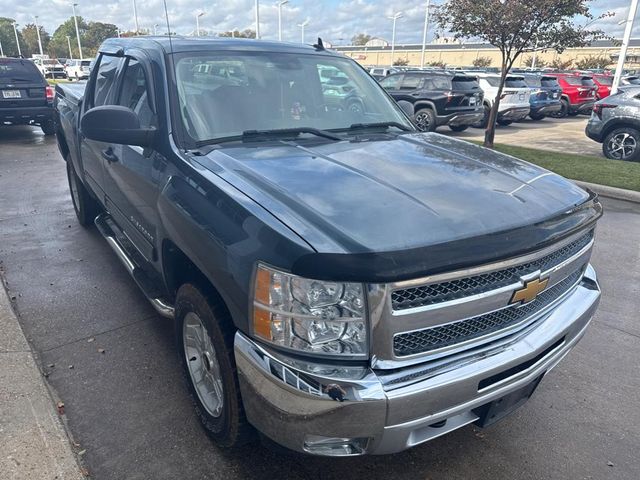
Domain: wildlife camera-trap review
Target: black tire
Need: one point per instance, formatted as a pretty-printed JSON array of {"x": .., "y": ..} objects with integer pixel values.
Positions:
[
  {"x": 504, "y": 123},
  {"x": 355, "y": 107},
  {"x": 564, "y": 109},
  {"x": 536, "y": 116},
  {"x": 425, "y": 120},
  {"x": 458, "y": 128},
  {"x": 622, "y": 144},
  {"x": 485, "y": 120},
  {"x": 573, "y": 114},
  {"x": 48, "y": 127},
  {"x": 85, "y": 206},
  {"x": 230, "y": 427}
]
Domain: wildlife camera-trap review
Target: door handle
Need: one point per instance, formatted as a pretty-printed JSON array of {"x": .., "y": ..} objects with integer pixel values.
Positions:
[{"x": 109, "y": 156}]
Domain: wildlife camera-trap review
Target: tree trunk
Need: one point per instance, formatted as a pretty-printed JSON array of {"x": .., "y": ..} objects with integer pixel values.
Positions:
[{"x": 490, "y": 132}]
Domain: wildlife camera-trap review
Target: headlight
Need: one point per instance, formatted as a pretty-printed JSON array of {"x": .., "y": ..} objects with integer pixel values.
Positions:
[{"x": 311, "y": 316}]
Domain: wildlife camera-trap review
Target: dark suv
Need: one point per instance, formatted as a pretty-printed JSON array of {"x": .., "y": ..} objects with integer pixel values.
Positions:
[
  {"x": 25, "y": 96},
  {"x": 438, "y": 98},
  {"x": 545, "y": 95}
]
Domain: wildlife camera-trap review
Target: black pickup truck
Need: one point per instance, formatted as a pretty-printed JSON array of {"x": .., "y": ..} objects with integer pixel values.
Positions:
[{"x": 339, "y": 281}]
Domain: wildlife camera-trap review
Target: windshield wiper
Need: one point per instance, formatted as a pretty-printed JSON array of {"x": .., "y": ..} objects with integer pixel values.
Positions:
[
  {"x": 365, "y": 126},
  {"x": 17, "y": 79},
  {"x": 257, "y": 135}
]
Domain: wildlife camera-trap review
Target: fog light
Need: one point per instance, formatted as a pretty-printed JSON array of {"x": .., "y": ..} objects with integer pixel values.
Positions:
[{"x": 335, "y": 447}]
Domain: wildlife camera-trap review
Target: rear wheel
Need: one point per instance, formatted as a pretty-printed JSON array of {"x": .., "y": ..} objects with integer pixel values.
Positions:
[
  {"x": 425, "y": 120},
  {"x": 573, "y": 114},
  {"x": 204, "y": 335},
  {"x": 505, "y": 123},
  {"x": 84, "y": 204},
  {"x": 536, "y": 116},
  {"x": 485, "y": 120},
  {"x": 458, "y": 128},
  {"x": 48, "y": 127},
  {"x": 564, "y": 109},
  {"x": 622, "y": 144}
]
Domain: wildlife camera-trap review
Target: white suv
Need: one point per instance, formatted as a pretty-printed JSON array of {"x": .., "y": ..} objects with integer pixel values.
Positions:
[
  {"x": 78, "y": 69},
  {"x": 514, "y": 102}
]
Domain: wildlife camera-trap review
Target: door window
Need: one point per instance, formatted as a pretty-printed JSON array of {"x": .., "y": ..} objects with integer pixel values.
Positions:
[
  {"x": 391, "y": 82},
  {"x": 106, "y": 80},
  {"x": 410, "y": 82},
  {"x": 134, "y": 93}
]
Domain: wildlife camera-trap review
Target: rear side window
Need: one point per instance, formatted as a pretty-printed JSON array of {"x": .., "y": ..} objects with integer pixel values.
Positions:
[
  {"x": 608, "y": 81},
  {"x": 573, "y": 80},
  {"x": 106, "y": 80},
  {"x": 437, "y": 83},
  {"x": 411, "y": 82},
  {"x": 534, "y": 81},
  {"x": 18, "y": 71},
  {"x": 550, "y": 82},
  {"x": 587, "y": 82},
  {"x": 465, "y": 83},
  {"x": 493, "y": 81}
]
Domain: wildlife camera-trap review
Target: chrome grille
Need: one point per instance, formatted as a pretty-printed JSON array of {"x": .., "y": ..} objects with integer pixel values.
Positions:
[
  {"x": 421, "y": 341},
  {"x": 421, "y": 296}
]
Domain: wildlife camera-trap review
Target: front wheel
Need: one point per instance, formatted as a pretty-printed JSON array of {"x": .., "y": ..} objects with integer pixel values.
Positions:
[
  {"x": 564, "y": 109},
  {"x": 204, "y": 335},
  {"x": 622, "y": 144},
  {"x": 458, "y": 128},
  {"x": 485, "y": 119},
  {"x": 536, "y": 116},
  {"x": 48, "y": 127},
  {"x": 85, "y": 206},
  {"x": 504, "y": 123}
]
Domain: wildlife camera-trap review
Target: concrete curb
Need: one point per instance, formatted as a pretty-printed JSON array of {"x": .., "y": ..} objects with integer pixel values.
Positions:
[
  {"x": 33, "y": 440},
  {"x": 611, "y": 192}
]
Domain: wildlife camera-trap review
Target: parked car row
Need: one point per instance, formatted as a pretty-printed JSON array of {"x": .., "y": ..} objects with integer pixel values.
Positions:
[{"x": 54, "y": 68}]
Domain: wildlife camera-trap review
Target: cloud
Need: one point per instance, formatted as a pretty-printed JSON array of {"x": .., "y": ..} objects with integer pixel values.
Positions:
[{"x": 334, "y": 20}]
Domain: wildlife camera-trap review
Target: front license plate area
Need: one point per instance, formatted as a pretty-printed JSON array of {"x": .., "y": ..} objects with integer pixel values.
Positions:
[
  {"x": 500, "y": 408},
  {"x": 11, "y": 93}
]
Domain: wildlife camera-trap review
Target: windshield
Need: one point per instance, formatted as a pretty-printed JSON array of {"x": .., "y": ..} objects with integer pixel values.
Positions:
[
  {"x": 225, "y": 94},
  {"x": 18, "y": 71}
]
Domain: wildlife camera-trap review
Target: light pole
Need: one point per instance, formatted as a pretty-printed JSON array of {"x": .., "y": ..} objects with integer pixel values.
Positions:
[
  {"x": 155, "y": 29},
  {"x": 535, "y": 54},
  {"x": 257, "y": 18},
  {"x": 280, "y": 4},
  {"x": 424, "y": 33},
  {"x": 625, "y": 45},
  {"x": 15, "y": 30},
  {"x": 38, "y": 32},
  {"x": 75, "y": 19},
  {"x": 233, "y": 32},
  {"x": 198, "y": 23},
  {"x": 1, "y": 50},
  {"x": 302, "y": 25},
  {"x": 69, "y": 45},
  {"x": 394, "y": 17},
  {"x": 135, "y": 16}
]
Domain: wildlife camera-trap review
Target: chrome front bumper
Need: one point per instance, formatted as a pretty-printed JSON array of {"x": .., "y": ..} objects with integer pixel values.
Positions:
[{"x": 302, "y": 405}]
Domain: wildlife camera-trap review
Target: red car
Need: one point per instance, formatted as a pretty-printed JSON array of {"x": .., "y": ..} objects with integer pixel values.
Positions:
[
  {"x": 603, "y": 82},
  {"x": 578, "y": 94}
]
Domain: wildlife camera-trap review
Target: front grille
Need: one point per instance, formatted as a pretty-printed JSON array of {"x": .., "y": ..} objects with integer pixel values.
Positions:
[
  {"x": 443, "y": 336},
  {"x": 464, "y": 287}
]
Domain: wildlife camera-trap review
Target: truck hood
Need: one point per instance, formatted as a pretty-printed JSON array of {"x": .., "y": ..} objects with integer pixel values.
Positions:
[{"x": 391, "y": 193}]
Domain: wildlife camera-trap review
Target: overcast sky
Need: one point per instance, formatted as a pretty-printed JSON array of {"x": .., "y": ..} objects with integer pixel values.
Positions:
[{"x": 334, "y": 20}]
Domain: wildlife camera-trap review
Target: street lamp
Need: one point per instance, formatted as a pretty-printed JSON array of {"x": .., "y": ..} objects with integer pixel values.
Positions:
[
  {"x": 302, "y": 25},
  {"x": 69, "y": 45},
  {"x": 155, "y": 29},
  {"x": 15, "y": 30},
  {"x": 280, "y": 4},
  {"x": 1, "y": 50},
  {"x": 424, "y": 33},
  {"x": 198, "y": 23},
  {"x": 233, "y": 32},
  {"x": 75, "y": 19},
  {"x": 135, "y": 16},
  {"x": 394, "y": 17},
  {"x": 257, "y": 18},
  {"x": 38, "y": 32},
  {"x": 625, "y": 44}
]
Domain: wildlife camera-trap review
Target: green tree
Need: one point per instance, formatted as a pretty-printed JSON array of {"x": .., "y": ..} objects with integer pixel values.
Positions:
[
  {"x": 540, "y": 63},
  {"x": 58, "y": 46},
  {"x": 30, "y": 35},
  {"x": 436, "y": 64},
  {"x": 248, "y": 33},
  {"x": 482, "y": 62},
  {"x": 518, "y": 26},
  {"x": 593, "y": 61},
  {"x": 360, "y": 39},
  {"x": 559, "y": 64},
  {"x": 8, "y": 38},
  {"x": 401, "y": 62}
]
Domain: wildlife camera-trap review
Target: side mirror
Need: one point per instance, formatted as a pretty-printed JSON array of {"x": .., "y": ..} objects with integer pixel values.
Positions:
[
  {"x": 116, "y": 124},
  {"x": 407, "y": 107}
]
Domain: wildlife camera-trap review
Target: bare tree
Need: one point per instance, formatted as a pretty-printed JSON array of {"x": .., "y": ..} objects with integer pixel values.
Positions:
[{"x": 517, "y": 26}]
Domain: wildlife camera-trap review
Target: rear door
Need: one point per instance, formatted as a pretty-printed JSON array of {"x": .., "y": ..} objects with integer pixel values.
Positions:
[
  {"x": 465, "y": 94},
  {"x": 21, "y": 86},
  {"x": 133, "y": 174}
]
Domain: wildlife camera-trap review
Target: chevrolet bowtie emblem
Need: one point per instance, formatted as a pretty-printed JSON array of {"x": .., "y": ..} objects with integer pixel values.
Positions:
[{"x": 530, "y": 291}]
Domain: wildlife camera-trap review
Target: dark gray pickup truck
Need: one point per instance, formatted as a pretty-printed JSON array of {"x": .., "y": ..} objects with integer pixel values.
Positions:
[{"x": 339, "y": 281}]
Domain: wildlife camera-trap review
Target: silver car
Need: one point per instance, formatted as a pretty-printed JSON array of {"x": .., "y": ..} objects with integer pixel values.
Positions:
[{"x": 615, "y": 122}]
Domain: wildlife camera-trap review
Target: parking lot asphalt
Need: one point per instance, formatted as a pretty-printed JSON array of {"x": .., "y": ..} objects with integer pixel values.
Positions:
[
  {"x": 564, "y": 135},
  {"x": 128, "y": 407}
]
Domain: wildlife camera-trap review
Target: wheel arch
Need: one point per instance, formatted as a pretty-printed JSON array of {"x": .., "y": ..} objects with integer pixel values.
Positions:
[{"x": 611, "y": 126}]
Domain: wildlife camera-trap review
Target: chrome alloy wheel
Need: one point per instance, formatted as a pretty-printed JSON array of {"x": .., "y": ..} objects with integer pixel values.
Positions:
[
  {"x": 202, "y": 364},
  {"x": 422, "y": 122},
  {"x": 622, "y": 146}
]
